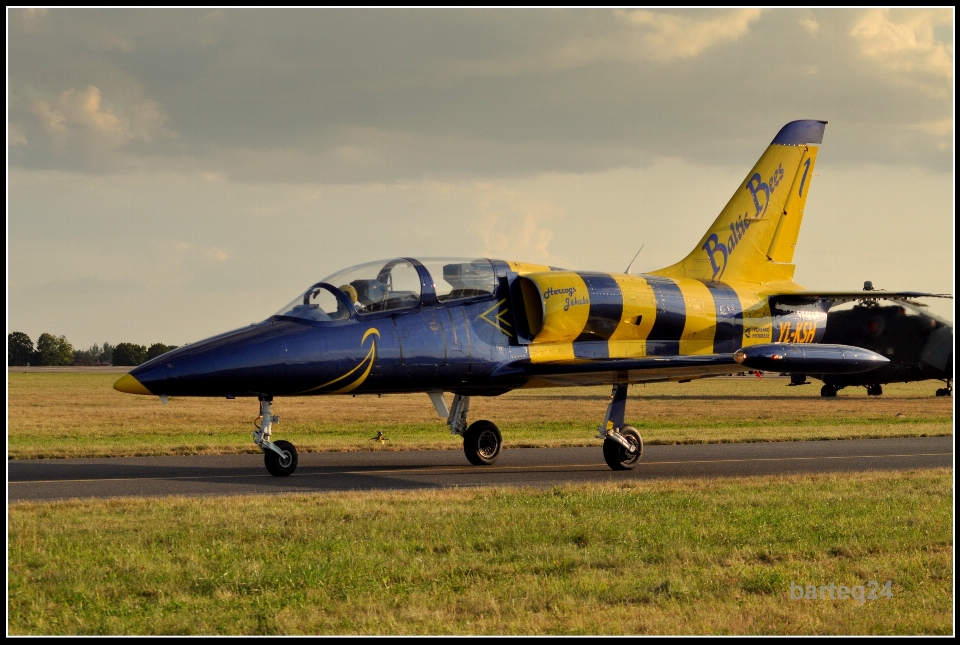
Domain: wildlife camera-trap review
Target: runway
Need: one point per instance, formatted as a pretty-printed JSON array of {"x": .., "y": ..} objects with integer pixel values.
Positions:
[{"x": 49, "y": 479}]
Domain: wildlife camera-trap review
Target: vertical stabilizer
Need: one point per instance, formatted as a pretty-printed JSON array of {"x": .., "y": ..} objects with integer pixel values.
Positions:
[{"x": 753, "y": 238}]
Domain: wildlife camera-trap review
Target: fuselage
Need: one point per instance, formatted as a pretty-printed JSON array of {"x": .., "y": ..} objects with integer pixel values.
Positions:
[{"x": 462, "y": 341}]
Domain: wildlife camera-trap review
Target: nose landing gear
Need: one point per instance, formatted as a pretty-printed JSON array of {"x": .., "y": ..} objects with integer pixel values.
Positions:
[{"x": 280, "y": 458}]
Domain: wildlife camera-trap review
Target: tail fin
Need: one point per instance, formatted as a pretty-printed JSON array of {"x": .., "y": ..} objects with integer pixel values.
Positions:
[{"x": 753, "y": 238}]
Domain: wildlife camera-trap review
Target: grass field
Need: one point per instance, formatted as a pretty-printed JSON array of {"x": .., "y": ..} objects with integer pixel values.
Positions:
[
  {"x": 80, "y": 415},
  {"x": 667, "y": 557}
]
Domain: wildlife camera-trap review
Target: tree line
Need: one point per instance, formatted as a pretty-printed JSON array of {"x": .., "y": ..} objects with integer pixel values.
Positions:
[{"x": 57, "y": 350}]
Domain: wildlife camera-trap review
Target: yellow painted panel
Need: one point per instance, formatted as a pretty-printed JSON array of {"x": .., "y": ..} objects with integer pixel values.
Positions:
[
  {"x": 757, "y": 325},
  {"x": 566, "y": 305},
  {"x": 638, "y": 301},
  {"x": 524, "y": 268},
  {"x": 549, "y": 352},
  {"x": 627, "y": 348},
  {"x": 700, "y": 327},
  {"x": 785, "y": 239},
  {"x": 735, "y": 248}
]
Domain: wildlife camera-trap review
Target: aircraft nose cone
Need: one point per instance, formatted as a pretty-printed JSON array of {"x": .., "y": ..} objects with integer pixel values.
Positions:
[{"x": 130, "y": 385}]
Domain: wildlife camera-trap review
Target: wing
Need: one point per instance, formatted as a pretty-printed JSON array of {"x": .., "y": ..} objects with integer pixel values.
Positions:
[
  {"x": 777, "y": 357},
  {"x": 620, "y": 370}
]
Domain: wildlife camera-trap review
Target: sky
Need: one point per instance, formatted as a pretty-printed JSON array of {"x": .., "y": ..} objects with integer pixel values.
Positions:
[{"x": 172, "y": 174}]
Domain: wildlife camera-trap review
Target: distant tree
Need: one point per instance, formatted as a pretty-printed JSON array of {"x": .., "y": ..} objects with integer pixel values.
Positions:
[
  {"x": 157, "y": 349},
  {"x": 128, "y": 354},
  {"x": 53, "y": 350},
  {"x": 106, "y": 353},
  {"x": 19, "y": 349},
  {"x": 87, "y": 356}
]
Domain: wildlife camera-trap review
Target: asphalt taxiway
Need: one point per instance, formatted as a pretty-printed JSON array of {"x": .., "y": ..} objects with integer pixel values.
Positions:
[{"x": 208, "y": 475}]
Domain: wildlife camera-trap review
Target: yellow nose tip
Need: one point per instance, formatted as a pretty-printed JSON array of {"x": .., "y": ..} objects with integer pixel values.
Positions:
[{"x": 130, "y": 385}]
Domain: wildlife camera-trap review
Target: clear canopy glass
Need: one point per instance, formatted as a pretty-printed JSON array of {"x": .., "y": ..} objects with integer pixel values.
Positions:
[{"x": 388, "y": 285}]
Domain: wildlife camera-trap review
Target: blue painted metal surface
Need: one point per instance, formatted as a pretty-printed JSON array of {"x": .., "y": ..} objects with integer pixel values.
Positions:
[{"x": 798, "y": 133}]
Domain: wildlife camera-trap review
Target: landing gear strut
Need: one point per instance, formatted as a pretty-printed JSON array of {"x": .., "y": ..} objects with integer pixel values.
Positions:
[
  {"x": 280, "y": 458},
  {"x": 482, "y": 440},
  {"x": 622, "y": 444}
]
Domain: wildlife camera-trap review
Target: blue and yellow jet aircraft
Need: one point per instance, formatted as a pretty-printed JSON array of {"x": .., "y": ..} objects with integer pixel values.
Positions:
[{"x": 482, "y": 327}]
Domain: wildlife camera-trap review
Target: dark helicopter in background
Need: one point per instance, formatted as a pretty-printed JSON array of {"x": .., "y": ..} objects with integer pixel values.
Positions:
[{"x": 918, "y": 344}]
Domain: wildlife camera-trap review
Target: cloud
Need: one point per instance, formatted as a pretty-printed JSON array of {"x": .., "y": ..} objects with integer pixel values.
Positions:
[
  {"x": 909, "y": 46},
  {"x": 509, "y": 224},
  {"x": 82, "y": 112},
  {"x": 190, "y": 249},
  {"x": 942, "y": 128},
  {"x": 15, "y": 135},
  {"x": 357, "y": 96},
  {"x": 811, "y": 25},
  {"x": 667, "y": 36},
  {"x": 632, "y": 37}
]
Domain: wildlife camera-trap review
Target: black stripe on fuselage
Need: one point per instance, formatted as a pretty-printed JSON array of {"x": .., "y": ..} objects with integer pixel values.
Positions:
[
  {"x": 671, "y": 317},
  {"x": 606, "y": 306},
  {"x": 729, "y": 335}
]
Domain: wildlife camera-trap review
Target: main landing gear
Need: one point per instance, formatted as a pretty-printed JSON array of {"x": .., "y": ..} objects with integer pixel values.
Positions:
[
  {"x": 280, "y": 457},
  {"x": 874, "y": 390},
  {"x": 482, "y": 440},
  {"x": 946, "y": 391},
  {"x": 622, "y": 444}
]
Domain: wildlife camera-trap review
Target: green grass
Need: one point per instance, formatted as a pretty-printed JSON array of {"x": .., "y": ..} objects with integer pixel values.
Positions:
[
  {"x": 80, "y": 415},
  {"x": 670, "y": 557}
]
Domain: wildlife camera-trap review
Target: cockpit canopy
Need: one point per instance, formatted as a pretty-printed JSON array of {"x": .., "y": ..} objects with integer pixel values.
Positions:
[{"x": 388, "y": 285}]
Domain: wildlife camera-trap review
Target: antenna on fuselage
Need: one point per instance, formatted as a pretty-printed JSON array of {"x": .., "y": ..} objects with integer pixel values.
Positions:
[{"x": 633, "y": 260}]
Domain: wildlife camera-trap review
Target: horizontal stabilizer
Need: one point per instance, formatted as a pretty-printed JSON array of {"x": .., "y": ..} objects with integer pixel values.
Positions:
[{"x": 839, "y": 297}]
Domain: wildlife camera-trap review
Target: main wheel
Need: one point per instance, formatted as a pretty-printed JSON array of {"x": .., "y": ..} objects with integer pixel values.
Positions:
[
  {"x": 943, "y": 392},
  {"x": 618, "y": 457},
  {"x": 874, "y": 390},
  {"x": 828, "y": 390},
  {"x": 281, "y": 467},
  {"x": 482, "y": 443}
]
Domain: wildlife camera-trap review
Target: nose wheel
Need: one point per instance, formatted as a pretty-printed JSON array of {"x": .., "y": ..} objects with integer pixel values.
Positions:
[
  {"x": 281, "y": 466},
  {"x": 279, "y": 457}
]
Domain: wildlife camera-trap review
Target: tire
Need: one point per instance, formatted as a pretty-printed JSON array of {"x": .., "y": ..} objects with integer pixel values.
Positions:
[
  {"x": 874, "y": 390},
  {"x": 482, "y": 442},
  {"x": 828, "y": 390},
  {"x": 943, "y": 392},
  {"x": 281, "y": 467},
  {"x": 617, "y": 456}
]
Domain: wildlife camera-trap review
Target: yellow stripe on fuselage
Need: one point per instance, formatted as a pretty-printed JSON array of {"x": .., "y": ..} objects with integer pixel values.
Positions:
[
  {"x": 757, "y": 325},
  {"x": 630, "y": 339},
  {"x": 566, "y": 304},
  {"x": 701, "y": 324}
]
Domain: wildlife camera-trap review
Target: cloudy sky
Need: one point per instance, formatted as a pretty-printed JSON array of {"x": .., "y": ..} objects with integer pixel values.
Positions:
[{"x": 176, "y": 173}]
